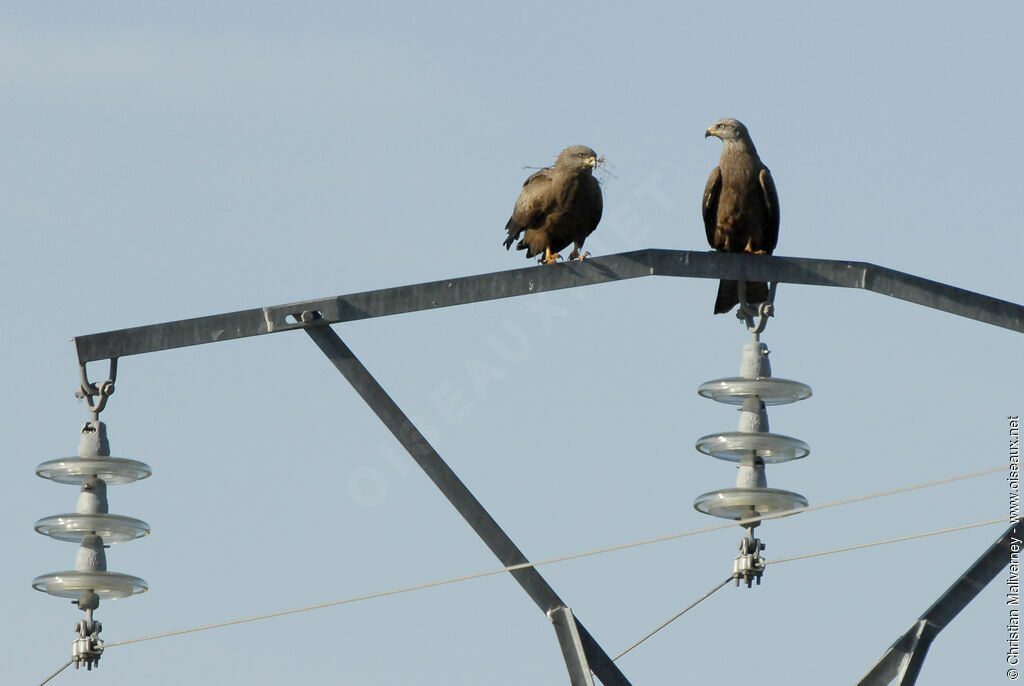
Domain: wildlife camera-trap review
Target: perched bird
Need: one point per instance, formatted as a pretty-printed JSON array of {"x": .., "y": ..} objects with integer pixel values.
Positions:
[
  {"x": 558, "y": 205},
  {"x": 741, "y": 207}
]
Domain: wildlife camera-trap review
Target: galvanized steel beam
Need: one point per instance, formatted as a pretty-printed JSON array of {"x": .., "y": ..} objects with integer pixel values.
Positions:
[
  {"x": 566, "y": 627},
  {"x": 574, "y": 639},
  {"x": 539, "y": 279}
]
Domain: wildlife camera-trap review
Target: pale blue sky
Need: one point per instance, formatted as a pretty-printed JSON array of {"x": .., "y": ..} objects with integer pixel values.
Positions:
[{"x": 175, "y": 161}]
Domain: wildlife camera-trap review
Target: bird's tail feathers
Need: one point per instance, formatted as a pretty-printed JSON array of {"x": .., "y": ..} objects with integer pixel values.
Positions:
[
  {"x": 514, "y": 229},
  {"x": 728, "y": 297}
]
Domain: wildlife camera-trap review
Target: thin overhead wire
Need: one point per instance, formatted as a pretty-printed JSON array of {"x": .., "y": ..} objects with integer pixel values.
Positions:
[
  {"x": 47, "y": 679},
  {"x": 870, "y": 496},
  {"x": 898, "y": 539},
  {"x": 562, "y": 558},
  {"x": 675, "y": 617},
  {"x": 318, "y": 606}
]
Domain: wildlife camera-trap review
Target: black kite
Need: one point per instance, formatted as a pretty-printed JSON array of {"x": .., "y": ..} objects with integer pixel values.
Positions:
[
  {"x": 741, "y": 207},
  {"x": 558, "y": 205}
]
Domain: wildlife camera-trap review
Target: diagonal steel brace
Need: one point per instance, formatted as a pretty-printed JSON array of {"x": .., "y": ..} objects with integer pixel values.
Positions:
[{"x": 572, "y": 635}]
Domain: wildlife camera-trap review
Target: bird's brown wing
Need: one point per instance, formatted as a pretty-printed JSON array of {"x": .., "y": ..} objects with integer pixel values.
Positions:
[
  {"x": 593, "y": 205},
  {"x": 771, "y": 201},
  {"x": 709, "y": 206},
  {"x": 535, "y": 201},
  {"x": 579, "y": 212}
]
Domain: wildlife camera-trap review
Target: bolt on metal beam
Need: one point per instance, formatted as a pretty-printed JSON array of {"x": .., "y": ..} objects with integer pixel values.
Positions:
[
  {"x": 530, "y": 280},
  {"x": 571, "y": 641}
]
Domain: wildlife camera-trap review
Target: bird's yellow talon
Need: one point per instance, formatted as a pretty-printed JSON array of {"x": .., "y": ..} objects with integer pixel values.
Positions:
[{"x": 549, "y": 257}]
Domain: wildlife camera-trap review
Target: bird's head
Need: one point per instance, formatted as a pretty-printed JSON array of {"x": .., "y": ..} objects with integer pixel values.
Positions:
[
  {"x": 577, "y": 158},
  {"x": 728, "y": 129}
]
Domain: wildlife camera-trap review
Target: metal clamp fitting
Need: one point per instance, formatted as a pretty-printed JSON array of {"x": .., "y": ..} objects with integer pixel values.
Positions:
[{"x": 87, "y": 390}]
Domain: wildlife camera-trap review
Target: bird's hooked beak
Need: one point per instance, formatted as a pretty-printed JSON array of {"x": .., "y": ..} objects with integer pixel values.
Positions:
[
  {"x": 592, "y": 162},
  {"x": 710, "y": 132}
]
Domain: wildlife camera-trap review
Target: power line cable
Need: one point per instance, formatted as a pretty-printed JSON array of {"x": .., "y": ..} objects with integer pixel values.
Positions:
[
  {"x": 562, "y": 558},
  {"x": 910, "y": 537},
  {"x": 675, "y": 617},
  {"x": 47, "y": 679}
]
